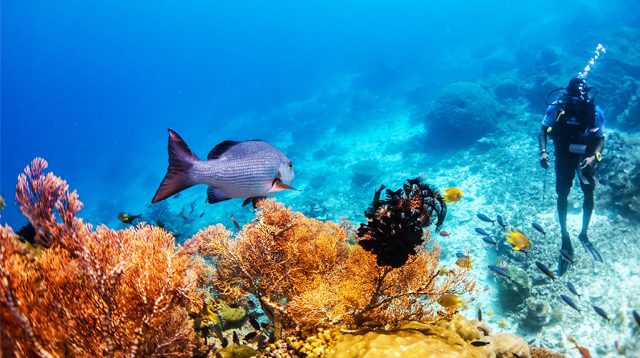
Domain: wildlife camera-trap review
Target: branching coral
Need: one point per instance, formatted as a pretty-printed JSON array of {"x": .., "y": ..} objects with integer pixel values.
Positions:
[
  {"x": 86, "y": 292},
  {"x": 305, "y": 272}
]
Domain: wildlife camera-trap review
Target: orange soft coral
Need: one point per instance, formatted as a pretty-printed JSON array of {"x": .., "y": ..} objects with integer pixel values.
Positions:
[
  {"x": 306, "y": 272},
  {"x": 86, "y": 292}
]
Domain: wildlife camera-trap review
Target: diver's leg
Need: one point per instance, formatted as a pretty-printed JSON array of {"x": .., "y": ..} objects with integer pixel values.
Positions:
[
  {"x": 564, "y": 180},
  {"x": 588, "y": 185},
  {"x": 563, "y": 203},
  {"x": 587, "y": 210},
  {"x": 564, "y": 167}
]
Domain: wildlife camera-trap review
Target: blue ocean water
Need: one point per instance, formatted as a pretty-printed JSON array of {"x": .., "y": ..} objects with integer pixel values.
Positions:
[{"x": 345, "y": 89}]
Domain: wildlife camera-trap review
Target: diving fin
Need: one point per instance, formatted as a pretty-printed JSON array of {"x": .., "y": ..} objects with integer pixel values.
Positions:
[{"x": 595, "y": 254}]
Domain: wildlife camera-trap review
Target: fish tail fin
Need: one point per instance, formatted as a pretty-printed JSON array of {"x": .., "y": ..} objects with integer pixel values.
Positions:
[{"x": 178, "y": 177}]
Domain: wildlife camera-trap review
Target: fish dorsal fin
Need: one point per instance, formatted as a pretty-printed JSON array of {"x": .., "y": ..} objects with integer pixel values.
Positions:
[{"x": 220, "y": 148}]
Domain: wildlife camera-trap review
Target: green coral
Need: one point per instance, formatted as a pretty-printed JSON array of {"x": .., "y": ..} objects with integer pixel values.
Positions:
[{"x": 231, "y": 316}]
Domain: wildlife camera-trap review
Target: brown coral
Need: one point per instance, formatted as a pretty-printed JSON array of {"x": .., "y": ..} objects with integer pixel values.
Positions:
[
  {"x": 86, "y": 292},
  {"x": 543, "y": 353},
  {"x": 306, "y": 272}
]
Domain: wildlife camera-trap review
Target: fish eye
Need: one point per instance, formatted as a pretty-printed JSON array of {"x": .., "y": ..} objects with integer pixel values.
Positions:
[{"x": 290, "y": 165}]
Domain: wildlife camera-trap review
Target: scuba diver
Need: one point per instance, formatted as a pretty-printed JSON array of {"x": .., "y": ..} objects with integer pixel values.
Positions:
[{"x": 576, "y": 126}]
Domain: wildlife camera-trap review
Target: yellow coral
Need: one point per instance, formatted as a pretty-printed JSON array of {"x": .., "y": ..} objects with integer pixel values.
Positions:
[{"x": 438, "y": 343}]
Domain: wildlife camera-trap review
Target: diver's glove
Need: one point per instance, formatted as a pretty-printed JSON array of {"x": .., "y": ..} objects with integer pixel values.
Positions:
[
  {"x": 544, "y": 160},
  {"x": 590, "y": 248}
]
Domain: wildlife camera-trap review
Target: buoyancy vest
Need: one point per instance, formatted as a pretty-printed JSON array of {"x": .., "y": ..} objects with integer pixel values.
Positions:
[{"x": 573, "y": 120}]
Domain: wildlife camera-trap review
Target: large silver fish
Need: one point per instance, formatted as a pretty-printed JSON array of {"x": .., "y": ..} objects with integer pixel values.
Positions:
[{"x": 251, "y": 169}]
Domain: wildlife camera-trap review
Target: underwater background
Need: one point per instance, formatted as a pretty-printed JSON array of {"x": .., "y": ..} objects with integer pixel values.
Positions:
[{"x": 357, "y": 94}]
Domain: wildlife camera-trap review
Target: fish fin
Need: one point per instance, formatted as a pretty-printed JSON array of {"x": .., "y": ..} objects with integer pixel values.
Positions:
[
  {"x": 220, "y": 148},
  {"x": 278, "y": 185},
  {"x": 254, "y": 200},
  {"x": 215, "y": 196},
  {"x": 181, "y": 160}
]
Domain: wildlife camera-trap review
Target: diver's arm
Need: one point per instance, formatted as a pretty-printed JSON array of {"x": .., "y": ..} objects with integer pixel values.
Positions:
[
  {"x": 599, "y": 145},
  {"x": 542, "y": 138},
  {"x": 542, "y": 143}
]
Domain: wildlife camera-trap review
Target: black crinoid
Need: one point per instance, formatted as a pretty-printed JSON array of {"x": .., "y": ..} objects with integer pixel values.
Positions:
[{"x": 394, "y": 228}]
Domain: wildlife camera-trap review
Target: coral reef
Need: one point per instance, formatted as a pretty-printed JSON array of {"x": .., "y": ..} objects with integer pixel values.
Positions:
[
  {"x": 538, "y": 314},
  {"x": 543, "y": 353},
  {"x": 462, "y": 113},
  {"x": 619, "y": 175},
  {"x": 514, "y": 290},
  {"x": 85, "y": 291},
  {"x": 306, "y": 273},
  {"x": 455, "y": 338},
  {"x": 92, "y": 292}
]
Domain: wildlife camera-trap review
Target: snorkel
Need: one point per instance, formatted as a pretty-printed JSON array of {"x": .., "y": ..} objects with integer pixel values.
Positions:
[{"x": 597, "y": 53}]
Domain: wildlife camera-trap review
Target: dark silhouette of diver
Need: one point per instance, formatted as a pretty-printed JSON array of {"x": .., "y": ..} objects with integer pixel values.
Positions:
[{"x": 576, "y": 126}]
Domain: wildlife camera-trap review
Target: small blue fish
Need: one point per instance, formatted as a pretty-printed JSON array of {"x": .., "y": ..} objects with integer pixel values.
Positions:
[
  {"x": 600, "y": 312},
  {"x": 570, "y": 302},
  {"x": 566, "y": 255},
  {"x": 545, "y": 270},
  {"x": 460, "y": 254},
  {"x": 539, "y": 228},
  {"x": 481, "y": 231},
  {"x": 485, "y": 218},
  {"x": 572, "y": 289},
  {"x": 499, "y": 271},
  {"x": 489, "y": 240},
  {"x": 501, "y": 222},
  {"x": 636, "y": 316}
]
